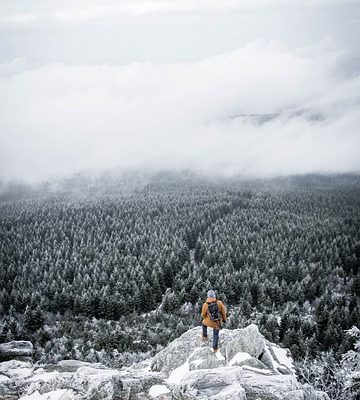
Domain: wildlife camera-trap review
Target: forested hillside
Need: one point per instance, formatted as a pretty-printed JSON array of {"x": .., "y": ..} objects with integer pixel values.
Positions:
[{"x": 82, "y": 276}]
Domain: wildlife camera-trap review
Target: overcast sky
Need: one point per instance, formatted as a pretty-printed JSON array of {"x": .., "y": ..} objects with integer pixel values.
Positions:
[{"x": 256, "y": 87}]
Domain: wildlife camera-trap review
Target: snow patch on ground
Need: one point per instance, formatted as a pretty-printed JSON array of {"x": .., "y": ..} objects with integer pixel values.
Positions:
[
  {"x": 178, "y": 373},
  {"x": 158, "y": 390}
]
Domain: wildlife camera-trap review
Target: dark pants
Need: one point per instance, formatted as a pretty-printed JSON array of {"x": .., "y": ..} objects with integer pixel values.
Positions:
[{"x": 215, "y": 336}]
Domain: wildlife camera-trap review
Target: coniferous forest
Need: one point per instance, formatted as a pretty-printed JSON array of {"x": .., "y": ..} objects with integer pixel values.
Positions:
[{"x": 113, "y": 277}]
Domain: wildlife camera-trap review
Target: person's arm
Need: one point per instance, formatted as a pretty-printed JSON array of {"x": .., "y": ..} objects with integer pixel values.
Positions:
[
  {"x": 203, "y": 311},
  {"x": 223, "y": 312}
]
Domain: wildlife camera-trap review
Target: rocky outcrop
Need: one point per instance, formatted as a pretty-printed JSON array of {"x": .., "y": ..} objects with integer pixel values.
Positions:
[
  {"x": 247, "y": 367},
  {"x": 211, "y": 384},
  {"x": 76, "y": 380},
  {"x": 16, "y": 350}
]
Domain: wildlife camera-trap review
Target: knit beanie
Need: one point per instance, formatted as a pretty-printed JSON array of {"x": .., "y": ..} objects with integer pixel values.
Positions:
[{"x": 211, "y": 294}]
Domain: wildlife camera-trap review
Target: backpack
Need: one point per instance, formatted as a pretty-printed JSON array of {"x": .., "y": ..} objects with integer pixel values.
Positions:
[{"x": 214, "y": 311}]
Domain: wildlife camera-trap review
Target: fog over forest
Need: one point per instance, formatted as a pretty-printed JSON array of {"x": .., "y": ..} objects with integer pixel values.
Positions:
[{"x": 251, "y": 88}]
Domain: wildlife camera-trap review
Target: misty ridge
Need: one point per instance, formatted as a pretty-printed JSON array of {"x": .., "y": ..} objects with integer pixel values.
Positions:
[{"x": 129, "y": 182}]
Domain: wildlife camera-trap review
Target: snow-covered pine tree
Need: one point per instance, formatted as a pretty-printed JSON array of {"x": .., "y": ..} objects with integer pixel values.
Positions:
[{"x": 351, "y": 363}]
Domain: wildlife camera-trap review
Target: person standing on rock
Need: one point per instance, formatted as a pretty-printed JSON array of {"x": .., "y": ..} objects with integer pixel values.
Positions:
[{"x": 213, "y": 314}]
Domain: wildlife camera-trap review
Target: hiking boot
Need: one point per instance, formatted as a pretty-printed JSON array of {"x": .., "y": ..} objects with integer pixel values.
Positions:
[{"x": 216, "y": 350}]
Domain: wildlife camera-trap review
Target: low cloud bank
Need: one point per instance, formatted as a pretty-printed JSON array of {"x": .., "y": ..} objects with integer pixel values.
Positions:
[{"x": 261, "y": 110}]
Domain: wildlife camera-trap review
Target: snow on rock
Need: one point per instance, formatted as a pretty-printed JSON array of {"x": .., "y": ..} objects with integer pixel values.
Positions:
[
  {"x": 248, "y": 340},
  {"x": 296, "y": 395},
  {"x": 16, "y": 369},
  {"x": 178, "y": 373},
  {"x": 177, "y": 352},
  {"x": 158, "y": 390},
  {"x": 204, "y": 358},
  {"x": 232, "y": 392},
  {"x": 283, "y": 360},
  {"x": 4, "y": 378},
  {"x": 267, "y": 359},
  {"x": 204, "y": 383},
  {"x": 268, "y": 387},
  {"x": 241, "y": 359}
]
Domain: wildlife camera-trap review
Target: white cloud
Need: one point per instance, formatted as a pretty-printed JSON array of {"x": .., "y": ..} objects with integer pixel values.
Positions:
[
  {"x": 19, "y": 12},
  {"x": 58, "y": 119}
]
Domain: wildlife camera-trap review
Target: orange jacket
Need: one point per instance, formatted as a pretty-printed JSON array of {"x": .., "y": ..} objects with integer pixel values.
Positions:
[{"x": 206, "y": 316}]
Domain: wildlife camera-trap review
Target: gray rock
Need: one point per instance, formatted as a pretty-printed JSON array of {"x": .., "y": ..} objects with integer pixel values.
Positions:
[
  {"x": 136, "y": 384},
  {"x": 267, "y": 387},
  {"x": 204, "y": 358},
  {"x": 248, "y": 340},
  {"x": 266, "y": 359},
  {"x": 283, "y": 370},
  {"x": 250, "y": 361},
  {"x": 233, "y": 392},
  {"x": 279, "y": 367},
  {"x": 16, "y": 350},
  {"x": 205, "y": 383},
  {"x": 16, "y": 369},
  {"x": 92, "y": 381},
  {"x": 177, "y": 352},
  {"x": 295, "y": 395}
]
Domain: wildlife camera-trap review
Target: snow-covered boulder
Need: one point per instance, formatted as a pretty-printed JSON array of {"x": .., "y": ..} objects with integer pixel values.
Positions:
[
  {"x": 159, "y": 392},
  {"x": 16, "y": 350},
  {"x": 268, "y": 386},
  {"x": 93, "y": 381},
  {"x": 248, "y": 340},
  {"x": 16, "y": 369},
  {"x": 242, "y": 359},
  {"x": 204, "y": 358},
  {"x": 177, "y": 352},
  {"x": 206, "y": 383},
  {"x": 232, "y": 392}
]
